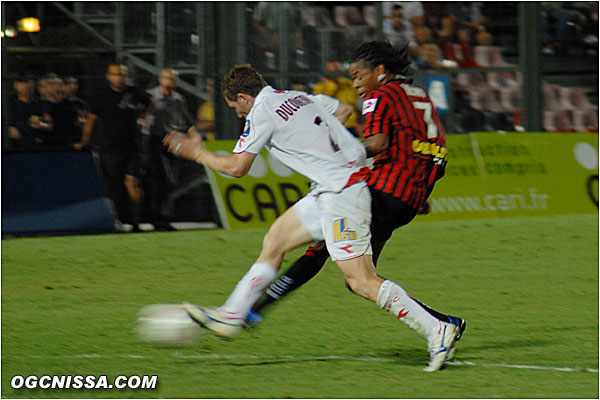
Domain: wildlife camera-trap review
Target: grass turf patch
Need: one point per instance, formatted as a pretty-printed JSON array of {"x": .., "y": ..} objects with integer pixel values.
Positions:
[{"x": 528, "y": 288}]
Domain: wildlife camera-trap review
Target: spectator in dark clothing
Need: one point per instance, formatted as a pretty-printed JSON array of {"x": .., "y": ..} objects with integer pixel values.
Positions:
[
  {"x": 113, "y": 120},
  {"x": 65, "y": 131},
  {"x": 46, "y": 95},
  {"x": 563, "y": 25},
  {"x": 460, "y": 49},
  {"x": 168, "y": 112},
  {"x": 25, "y": 125},
  {"x": 81, "y": 107},
  {"x": 395, "y": 28}
]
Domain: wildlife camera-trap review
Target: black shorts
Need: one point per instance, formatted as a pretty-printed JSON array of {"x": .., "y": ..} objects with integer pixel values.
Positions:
[
  {"x": 116, "y": 166},
  {"x": 388, "y": 213}
]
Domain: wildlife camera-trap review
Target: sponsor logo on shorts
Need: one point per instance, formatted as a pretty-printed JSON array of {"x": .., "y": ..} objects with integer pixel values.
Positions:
[
  {"x": 341, "y": 231},
  {"x": 347, "y": 249}
]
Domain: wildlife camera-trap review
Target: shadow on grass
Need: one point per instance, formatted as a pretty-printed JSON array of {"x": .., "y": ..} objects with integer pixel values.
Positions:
[{"x": 410, "y": 356}]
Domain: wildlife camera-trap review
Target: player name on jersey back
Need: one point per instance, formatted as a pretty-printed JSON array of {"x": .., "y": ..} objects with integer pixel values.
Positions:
[{"x": 290, "y": 106}]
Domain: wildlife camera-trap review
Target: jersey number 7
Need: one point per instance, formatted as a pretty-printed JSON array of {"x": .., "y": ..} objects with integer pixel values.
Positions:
[{"x": 432, "y": 130}]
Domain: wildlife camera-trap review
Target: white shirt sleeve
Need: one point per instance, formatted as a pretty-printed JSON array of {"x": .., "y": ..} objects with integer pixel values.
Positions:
[
  {"x": 257, "y": 132},
  {"x": 329, "y": 103}
]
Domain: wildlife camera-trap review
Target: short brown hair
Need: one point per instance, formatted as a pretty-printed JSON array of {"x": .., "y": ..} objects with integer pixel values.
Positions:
[{"x": 242, "y": 79}]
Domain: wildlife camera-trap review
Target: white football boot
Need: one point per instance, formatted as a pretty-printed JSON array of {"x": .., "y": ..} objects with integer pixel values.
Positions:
[
  {"x": 440, "y": 344},
  {"x": 215, "y": 320},
  {"x": 462, "y": 325}
]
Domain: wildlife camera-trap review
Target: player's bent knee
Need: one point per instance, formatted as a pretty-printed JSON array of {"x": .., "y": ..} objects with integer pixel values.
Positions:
[
  {"x": 349, "y": 287},
  {"x": 285, "y": 234},
  {"x": 359, "y": 287},
  {"x": 275, "y": 238},
  {"x": 273, "y": 246}
]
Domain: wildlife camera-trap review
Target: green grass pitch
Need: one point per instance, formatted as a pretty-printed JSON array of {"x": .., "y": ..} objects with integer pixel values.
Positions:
[{"x": 528, "y": 288}]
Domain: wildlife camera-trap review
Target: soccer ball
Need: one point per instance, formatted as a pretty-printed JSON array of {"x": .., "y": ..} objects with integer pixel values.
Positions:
[{"x": 166, "y": 324}]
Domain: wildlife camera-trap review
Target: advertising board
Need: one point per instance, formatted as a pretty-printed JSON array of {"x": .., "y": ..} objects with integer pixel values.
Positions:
[{"x": 488, "y": 175}]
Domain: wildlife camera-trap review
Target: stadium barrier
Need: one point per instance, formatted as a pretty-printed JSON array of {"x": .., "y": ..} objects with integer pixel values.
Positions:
[
  {"x": 489, "y": 175},
  {"x": 519, "y": 174},
  {"x": 53, "y": 192}
]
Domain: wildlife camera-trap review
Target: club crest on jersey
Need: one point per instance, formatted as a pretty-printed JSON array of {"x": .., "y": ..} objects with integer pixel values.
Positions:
[
  {"x": 341, "y": 231},
  {"x": 246, "y": 131},
  {"x": 241, "y": 143},
  {"x": 369, "y": 106}
]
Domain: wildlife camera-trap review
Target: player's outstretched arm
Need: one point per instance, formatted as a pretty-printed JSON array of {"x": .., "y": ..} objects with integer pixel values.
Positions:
[
  {"x": 376, "y": 144},
  {"x": 343, "y": 112},
  {"x": 236, "y": 165},
  {"x": 191, "y": 146}
]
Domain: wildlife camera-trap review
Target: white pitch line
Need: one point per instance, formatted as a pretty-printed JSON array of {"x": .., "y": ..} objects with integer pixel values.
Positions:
[
  {"x": 526, "y": 366},
  {"x": 259, "y": 357}
]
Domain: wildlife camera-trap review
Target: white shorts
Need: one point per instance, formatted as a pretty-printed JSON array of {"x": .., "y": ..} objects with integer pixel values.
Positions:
[{"x": 341, "y": 219}]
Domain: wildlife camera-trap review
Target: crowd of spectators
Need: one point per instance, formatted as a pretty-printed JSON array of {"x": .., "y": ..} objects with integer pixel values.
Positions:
[
  {"x": 441, "y": 35},
  {"x": 449, "y": 35},
  {"x": 45, "y": 114},
  {"x": 569, "y": 24},
  {"x": 455, "y": 36},
  {"x": 122, "y": 125}
]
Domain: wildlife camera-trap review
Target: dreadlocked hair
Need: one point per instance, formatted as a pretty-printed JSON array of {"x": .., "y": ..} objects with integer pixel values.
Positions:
[{"x": 395, "y": 59}]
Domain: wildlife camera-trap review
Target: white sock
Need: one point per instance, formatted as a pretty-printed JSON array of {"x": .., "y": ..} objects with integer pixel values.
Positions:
[
  {"x": 396, "y": 301},
  {"x": 249, "y": 289}
]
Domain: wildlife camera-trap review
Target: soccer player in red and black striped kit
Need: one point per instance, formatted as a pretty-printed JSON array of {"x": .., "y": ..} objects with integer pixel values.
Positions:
[{"x": 404, "y": 134}]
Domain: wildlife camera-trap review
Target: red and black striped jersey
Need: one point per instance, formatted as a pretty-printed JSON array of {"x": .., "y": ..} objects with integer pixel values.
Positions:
[{"x": 416, "y": 155}]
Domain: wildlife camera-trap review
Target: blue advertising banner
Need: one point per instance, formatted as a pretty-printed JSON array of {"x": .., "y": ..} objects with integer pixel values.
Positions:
[
  {"x": 438, "y": 89},
  {"x": 53, "y": 192}
]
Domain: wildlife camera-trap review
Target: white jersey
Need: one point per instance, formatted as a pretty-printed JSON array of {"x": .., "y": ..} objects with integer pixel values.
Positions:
[{"x": 302, "y": 132}]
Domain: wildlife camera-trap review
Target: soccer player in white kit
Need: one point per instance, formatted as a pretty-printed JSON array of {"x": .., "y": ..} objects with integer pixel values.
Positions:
[{"x": 302, "y": 131}]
